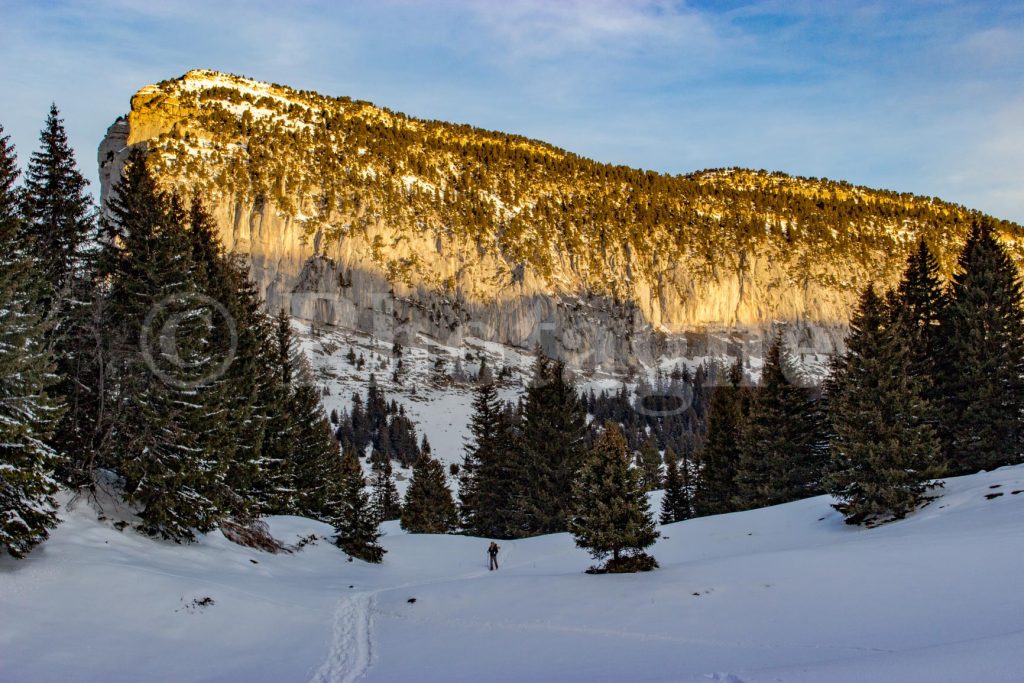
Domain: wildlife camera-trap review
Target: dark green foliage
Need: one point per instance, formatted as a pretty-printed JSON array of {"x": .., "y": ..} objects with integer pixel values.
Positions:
[
  {"x": 487, "y": 500},
  {"x": 782, "y": 456},
  {"x": 28, "y": 415},
  {"x": 983, "y": 363},
  {"x": 884, "y": 450},
  {"x": 552, "y": 450},
  {"x": 428, "y": 507},
  {"x": 386, "y": 501},
  {"x": 649, "y": 463},
  {"x": 58, "y": 217},
  {"x": 720, "y": 459},
  {"x": 59, "y": 231},
  {"x": 352, "y": 514},
  {"x": 157, "y": 364},
  {"x": 675, "y": 505},
  {"x": 610, "y": 511},
  {"x": 314, "y": 451},
  {"x": 921, "y": 300}
]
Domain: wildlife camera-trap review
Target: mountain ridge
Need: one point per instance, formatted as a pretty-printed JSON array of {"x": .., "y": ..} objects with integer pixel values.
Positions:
[{"x": 358, "y": 216}]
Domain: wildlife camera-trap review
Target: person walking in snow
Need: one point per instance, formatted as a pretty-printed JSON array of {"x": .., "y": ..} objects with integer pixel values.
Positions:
[{"x": 492, "y": 550}]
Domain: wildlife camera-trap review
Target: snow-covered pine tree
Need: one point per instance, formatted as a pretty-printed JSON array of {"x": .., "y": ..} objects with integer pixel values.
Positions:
[
  {"x": 60, "y": 233},
  {"x": 675, "y": 504},
  {"x": 157, "y": 356},
  {"x": 27, "y": 413},
  {"x": 719, "y": 460},
  {"x": 611, "y": 515},
  {"x": 428, "y": 506},
  {"x": 386, "y": 501},
  {"x": 983, "y": 369},
  {"x": 231, "y": 430},
  {"x": 884, "y": 451},
  {"x": 782, "y": 455},
  {"x": 354, "y": 517},
  {"x": 552, "y": 450}
]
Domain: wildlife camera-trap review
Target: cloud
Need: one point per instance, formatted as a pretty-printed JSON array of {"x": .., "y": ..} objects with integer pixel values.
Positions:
[{"x": 528, "y": 29}]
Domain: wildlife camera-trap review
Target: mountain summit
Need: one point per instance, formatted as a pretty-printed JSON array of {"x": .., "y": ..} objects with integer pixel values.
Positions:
[{"x": 358, "y": 216}]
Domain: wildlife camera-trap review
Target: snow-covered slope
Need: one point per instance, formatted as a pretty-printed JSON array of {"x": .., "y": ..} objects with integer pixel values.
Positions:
[{"x": 782, "y": 594}]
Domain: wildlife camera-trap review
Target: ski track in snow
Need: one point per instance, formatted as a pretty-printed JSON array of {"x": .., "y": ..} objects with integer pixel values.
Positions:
[
  {"x": 350, "y": 654},
  {"x": 351, "y": 651}
]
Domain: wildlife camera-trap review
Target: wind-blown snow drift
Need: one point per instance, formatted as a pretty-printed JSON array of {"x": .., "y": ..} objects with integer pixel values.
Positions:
[{"x": 787, "y": 593}]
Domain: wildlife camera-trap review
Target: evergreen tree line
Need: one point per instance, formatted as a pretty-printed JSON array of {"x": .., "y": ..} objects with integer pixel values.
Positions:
[
  {"x": 134, "y": 345},
  {"x": 376, "y": 422},
  {"x": 930, "y": 385}
]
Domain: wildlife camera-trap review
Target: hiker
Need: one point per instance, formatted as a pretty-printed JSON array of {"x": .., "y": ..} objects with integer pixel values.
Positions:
[{"x": 492, "y": 550}]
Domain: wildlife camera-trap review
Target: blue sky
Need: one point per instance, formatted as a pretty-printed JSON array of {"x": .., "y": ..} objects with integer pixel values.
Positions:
[{"x": 926, "y": 97}]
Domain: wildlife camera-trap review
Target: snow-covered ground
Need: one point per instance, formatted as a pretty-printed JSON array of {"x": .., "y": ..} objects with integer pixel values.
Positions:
[
  {"x": 781, "y": 594},
  {"x": 442, "y": 410}
]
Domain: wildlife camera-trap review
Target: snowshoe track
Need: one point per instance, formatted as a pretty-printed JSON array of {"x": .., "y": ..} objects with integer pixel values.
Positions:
[{"x": 350, "y": 654}]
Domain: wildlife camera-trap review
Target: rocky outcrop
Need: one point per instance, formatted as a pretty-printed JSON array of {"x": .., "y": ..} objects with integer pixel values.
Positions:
[{"x": 397, "y": 277}]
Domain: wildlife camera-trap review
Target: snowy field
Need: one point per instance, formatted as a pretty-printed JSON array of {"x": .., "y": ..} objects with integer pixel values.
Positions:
[{"x": 782, "y": 594}]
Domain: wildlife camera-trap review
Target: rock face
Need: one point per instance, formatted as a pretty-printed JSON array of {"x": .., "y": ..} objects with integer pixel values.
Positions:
[{"x": 390, "y": 248}]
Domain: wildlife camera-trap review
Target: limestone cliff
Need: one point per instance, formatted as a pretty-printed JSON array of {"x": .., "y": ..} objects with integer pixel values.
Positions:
[{"x": 356, "y": 216}]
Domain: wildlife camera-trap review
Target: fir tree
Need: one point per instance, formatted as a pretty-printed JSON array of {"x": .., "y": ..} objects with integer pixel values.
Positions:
[
  {"x": 58, "y": 224},
  {"x": 922, "y": 301},
  {"x": 157, "y": 359},
  {"x": 428, "y": 507},
  {"x": 675, "y": 504},
  {"x": 386, "y": 501},
  {"x": 610, "y": 510},
  {"x": 353, "y": 516},
  {"x": 649, "y": 463},
  {"x": 27, "y": 413},
  {"x": 984, "y": 358},
  {"x": 486, "y": 497},
  {"x": 782, "y": 456},
  {"x": 60, "y": 233},
  {"x": 314, "y": 448},
  {"x": 884, "y": 451},
  {"x": 719, "y": 460},
  {"x": 553, "y": 431}
]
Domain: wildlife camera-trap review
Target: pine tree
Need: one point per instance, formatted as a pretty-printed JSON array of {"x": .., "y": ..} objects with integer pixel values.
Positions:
[
  {"x": 58, "y": 224},
  {"x": 716, "y": 485},
  {"x": 485, "y": 494},
  {"x": 156, "y": 361},
  {"x": 428, "y": 507},
  {"x": 675, "y": 504},
  {"x": 649, "y": 462},
  {"x": 552, "y": 445},
  {"x": 884, "y": 450},
  {"x": 923, "y": 301},
  {"x": 386, "y": 501},
  {"x": 610, "y": 510},
  {"x": 27, "y": 413},
  {"x": 984, "y": 358},
  {"x": 60, "y": 233},
  {"x": 782, "y": 455},
  {"x": 314, "y": 448},
  {"x": 353, "y": 516}
]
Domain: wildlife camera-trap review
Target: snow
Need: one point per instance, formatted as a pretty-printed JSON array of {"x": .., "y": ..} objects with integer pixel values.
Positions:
[{"x": 787, "y": 593}]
